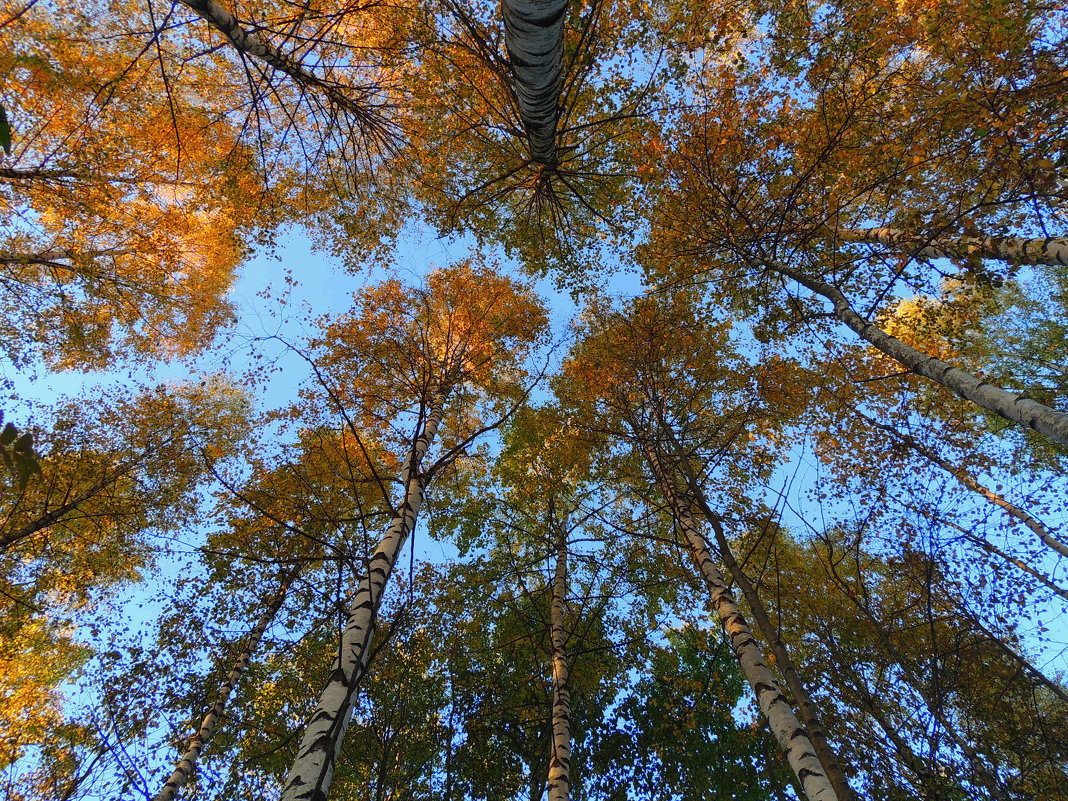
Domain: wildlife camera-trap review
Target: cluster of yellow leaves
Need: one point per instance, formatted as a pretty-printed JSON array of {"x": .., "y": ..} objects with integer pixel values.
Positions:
[
  {"x": 469, "y": 325},
  {"x": 125, "y": 201},
  {"x": 34, "y": 660}
]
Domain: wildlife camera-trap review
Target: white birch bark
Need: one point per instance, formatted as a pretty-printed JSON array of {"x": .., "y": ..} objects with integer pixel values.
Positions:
[
  {"x": 559, "y": 782},
  {"x": 254, "y": 45},
  {"x": 1012, "y": 249},
  {"x": 782, "y": 721},
  {"x": 1018, "y": 408},
  {"x": 806, "y": 707},
  {"x": 210, "y": 722},
  {"x": 313, "y": 768},
  {"x": 534, "y": 36}
]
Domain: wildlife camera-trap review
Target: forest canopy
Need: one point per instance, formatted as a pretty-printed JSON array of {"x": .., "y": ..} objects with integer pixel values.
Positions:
[{"x": 714, "y": 448}]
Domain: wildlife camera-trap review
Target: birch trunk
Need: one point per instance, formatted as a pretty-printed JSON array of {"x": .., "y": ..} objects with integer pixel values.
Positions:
[
  {"x": 210, "y": 722},
  {"x": 806, "y": 708},
  {"x": 559, "y": 783},
  {"x": 1013, "y": 249},
  {"x": 252, "y": 44},
  {"x": 933, "y": 791},
  {"x": 1018, "y": 408},
  {"x": 534, "y": 36},
  {"x": 966, "y": 480},
  {"x": 976, "y": 761},
  {"x": 784, "y": 725},
  {"x": 313, "y": 768},
  {"x": 990, "y": 548}
]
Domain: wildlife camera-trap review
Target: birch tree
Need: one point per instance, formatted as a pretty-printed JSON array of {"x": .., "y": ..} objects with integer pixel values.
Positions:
[
  {"x": 546, "y": 166},
  {"x": 534, "y": 34},
  {"x": 416, "y": 352},
  {"x": 676, "y": 736},
  {"x": 635, "y": 350},
  {"x": 763, "y": 173},
  {"x": 116, "y": 479},
  {"x": 187, "y": 764},
  {"x": 1015, "y": 250},
  {"x": 940, "y": 729},
  {"x": 559, "y": 781},
  {"x": 120, "y": 235}
]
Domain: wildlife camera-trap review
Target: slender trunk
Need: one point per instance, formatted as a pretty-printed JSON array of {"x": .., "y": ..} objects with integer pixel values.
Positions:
[
  {"x": 252, "y": 44},
  {"x": 976, "y": 761},
  {"x": 990, "y": 548},
  {"x": 966, "y": 480},
  {"x": 534, "y": 36},
  {"x": 19, "y": 174},
  {"x": 1018, "y": 408},
  {"x": 979, "y": 764},
  {"x": 784, "y": 724},
  {"x": 313, "y": 768},
  {"x": 806, "y": 708},
  {"x": 46, "y": 520},
  {"x": 1020, "y": 660},
  {"x": 210, "y": 722},
  {"x": 55, "y": 258},
  {"x": 1013, "y": 249},
  {"x": 559, "y": 783}
]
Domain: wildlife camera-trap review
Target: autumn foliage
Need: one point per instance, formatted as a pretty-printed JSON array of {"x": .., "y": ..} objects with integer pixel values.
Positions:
[{"x": 719, "y": 453}]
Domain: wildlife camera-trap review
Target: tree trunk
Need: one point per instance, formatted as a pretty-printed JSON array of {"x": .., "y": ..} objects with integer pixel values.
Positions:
[
  {"x": 559, "y": 784},
  {"x": 1018, "y": 408},
  {"x": 1013, "y": 249},
  {"x": 784, "y": 725},
  {"x": 253, "y": 45},
  {"x": 313, "y": 768},
  {"x": 1002, "y": 646},
  {"x": 806, "y": 708},
  {"x": 932, "y": 787},
  {"x": 979, "y": 764},
  {"x": 990, "y": 548},
  {"x": 534, "y": 36},
  {"x": 966, "y": 480},
  {"x": 210, "y": 722}
]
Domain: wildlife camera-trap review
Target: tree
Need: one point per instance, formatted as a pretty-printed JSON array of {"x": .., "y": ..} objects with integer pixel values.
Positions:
[
  {"x": 642, "y": 387},
  {"x": 467, "y": 333},
  {"x": 113, "y": 479},
  {"x": 479, "y": 175},
  {"x": 764, "y": 173},
  {"x": 786, "y": 520},
  {"x": 679, "y": 736},
  {"x": 121, "y": 236},
  {"x": 535, "y": 38}
]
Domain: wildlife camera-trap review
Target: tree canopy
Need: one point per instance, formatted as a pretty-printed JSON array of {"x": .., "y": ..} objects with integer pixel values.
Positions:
[{"x": 723, "y": 456}]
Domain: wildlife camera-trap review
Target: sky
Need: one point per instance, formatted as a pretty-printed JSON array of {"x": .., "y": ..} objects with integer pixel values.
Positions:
[{"x": 320, "y": 286}]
